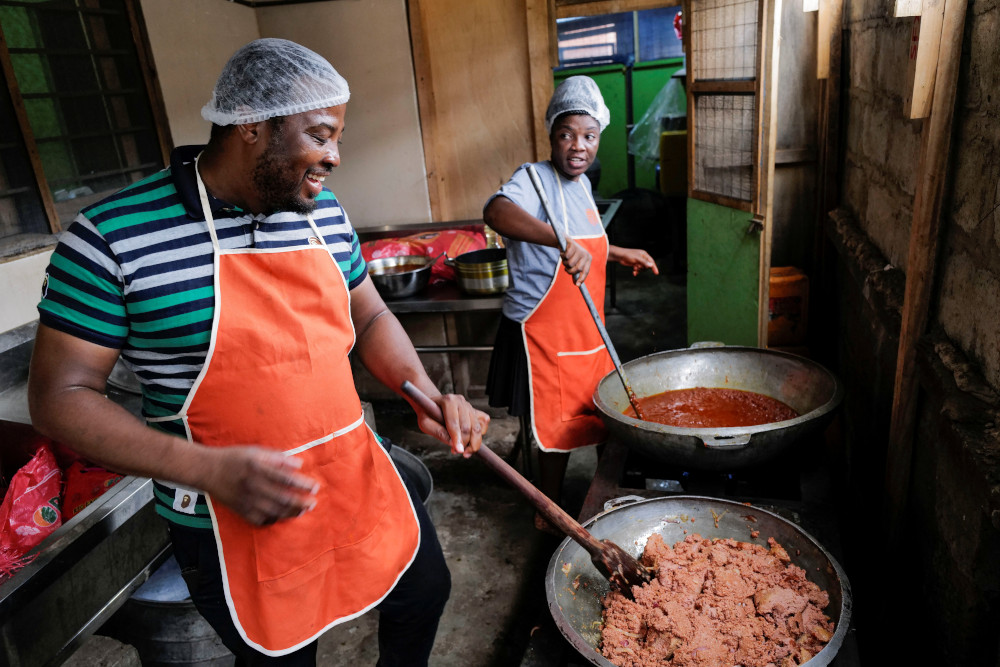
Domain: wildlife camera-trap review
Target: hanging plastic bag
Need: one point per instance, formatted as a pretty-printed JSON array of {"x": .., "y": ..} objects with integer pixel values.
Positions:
[
  {"x": 30, "y": 510},
  {"x": 668, "y": 111}
]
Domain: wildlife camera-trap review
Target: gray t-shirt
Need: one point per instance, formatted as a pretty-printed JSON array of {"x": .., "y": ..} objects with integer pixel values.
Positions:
[{"x": 533, "y": 267}]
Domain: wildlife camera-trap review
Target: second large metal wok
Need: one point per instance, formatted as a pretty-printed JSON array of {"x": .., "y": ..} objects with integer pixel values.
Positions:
[
  {"x": 574, "y": 588},
  {"x": 806, "y": 386}
]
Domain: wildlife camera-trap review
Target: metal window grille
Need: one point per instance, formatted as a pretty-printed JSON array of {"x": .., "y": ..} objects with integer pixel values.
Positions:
[
  {"x": 724, "y": 35},
  {"x": 724, "y": 137}
]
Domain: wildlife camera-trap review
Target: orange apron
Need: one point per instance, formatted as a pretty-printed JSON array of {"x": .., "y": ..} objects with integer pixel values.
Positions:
[
  {"x": 566, "y": 354},
  {"x": 278, "y": 375}
]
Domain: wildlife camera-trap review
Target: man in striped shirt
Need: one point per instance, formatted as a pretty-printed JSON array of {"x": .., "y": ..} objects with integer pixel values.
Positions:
[{"x": 232, "y": 283}]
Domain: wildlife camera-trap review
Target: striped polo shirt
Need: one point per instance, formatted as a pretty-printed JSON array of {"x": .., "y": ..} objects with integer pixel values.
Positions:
[{"x": 135, "y": 272}]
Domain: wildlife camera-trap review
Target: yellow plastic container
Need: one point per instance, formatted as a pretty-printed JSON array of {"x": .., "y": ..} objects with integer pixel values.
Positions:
[{"x": 788, "y": 307}]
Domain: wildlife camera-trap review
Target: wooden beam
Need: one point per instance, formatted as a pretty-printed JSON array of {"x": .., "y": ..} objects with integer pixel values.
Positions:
[
  {"x": 44, "y": 193},
  {"x": 767, "y": 78},
  {"x": 570, "y": 8},
  {"x": 543, "y": 50},
  {"x": 925, "y": 42},
  {"x": 932, "y": 173},
  {"x": 140, "y": 37},
  {"x": 824, "y": 32},
  {"x": 425, "y": 102}
]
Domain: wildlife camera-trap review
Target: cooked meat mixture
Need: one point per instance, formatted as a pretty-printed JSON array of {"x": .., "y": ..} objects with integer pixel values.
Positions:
[{"x": 717, "y": 603}]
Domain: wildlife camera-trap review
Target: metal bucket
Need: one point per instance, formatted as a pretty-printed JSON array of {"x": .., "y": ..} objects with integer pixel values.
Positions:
[
  {"x": 415, "y": 470},
  {"x": 801, "y": 383},
  {"x": 574, "y": 588},
  {"x": 164, "y": 626}
]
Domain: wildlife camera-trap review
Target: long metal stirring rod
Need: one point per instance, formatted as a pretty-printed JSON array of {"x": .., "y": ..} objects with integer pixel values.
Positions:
[{"x": 540, "y": 189}]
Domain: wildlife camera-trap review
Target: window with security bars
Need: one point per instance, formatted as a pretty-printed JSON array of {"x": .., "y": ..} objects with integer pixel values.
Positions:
[
  {"x": 77, "y": 120},
  {"x": 723, "y": 80},
  {"x": 724, "y": 35},
  {"x": 624, "y": 37},
  {"x": 725, "y": 126}
]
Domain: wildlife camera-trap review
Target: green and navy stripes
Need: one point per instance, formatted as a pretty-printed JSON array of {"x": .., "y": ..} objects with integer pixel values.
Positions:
[{"x": 135, "y": 272}]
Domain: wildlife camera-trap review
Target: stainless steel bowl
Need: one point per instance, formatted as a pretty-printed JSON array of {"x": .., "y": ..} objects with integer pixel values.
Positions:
[
  {"x": 574, "y": 588},
  {"x": 401, "y": 276},
  {"x": 807, "y": 387}
]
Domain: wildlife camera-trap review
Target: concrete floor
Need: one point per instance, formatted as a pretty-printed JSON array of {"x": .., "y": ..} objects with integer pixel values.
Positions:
[{"x": 497, "y": 558}]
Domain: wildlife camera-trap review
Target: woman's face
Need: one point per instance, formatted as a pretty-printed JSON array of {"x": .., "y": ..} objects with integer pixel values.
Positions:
[{"x": 574, "y": 140}]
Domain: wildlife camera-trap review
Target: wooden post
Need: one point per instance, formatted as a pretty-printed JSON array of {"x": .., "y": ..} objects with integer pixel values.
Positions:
[
  {"x": 542, "y": 57},
  {"x": 931, "y": 177},
  {"x": 922, "y": 60}
]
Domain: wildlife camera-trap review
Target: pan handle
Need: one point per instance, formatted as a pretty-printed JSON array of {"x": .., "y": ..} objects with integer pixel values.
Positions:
[
  {"x": 727, "y": 441},
  {"x": 621, "y": 501}
]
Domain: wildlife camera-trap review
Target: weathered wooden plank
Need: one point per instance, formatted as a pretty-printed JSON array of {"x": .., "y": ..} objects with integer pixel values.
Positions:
[
  {"x": 932, "y": 173},
  {"x": 922, "y": 60}
]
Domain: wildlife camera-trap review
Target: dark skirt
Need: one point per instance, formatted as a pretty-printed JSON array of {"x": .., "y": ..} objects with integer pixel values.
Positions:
[{"x": 507, "y": 382}]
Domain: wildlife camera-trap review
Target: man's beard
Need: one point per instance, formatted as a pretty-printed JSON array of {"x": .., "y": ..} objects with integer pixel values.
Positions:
[{"x": 278, "y": 189}]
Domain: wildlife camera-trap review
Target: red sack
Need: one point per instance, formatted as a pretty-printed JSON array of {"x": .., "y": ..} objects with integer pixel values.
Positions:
[
  {"x": 443, "y": 243},
  {"x": 30, "y": 509},
  {"x": 85, "y": 484},
  {"x": 451, "y": 242},
  {"x": 391, "y": 247}
]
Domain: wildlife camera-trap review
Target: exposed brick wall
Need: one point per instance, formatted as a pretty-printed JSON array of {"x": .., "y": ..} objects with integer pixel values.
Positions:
[{"x": 952, "y": 598}]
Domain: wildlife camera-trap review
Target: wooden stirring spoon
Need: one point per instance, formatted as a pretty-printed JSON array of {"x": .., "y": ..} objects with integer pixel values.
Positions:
[{"x": 613, "y": 562}]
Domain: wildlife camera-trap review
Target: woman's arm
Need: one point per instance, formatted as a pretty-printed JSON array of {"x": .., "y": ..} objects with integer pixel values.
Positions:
[
  {"x": 514, "y": 222},
  {"x": 634, "y": 258}
]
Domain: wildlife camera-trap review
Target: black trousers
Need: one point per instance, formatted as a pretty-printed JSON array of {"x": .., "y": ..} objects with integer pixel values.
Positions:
[{"x": 408, "y": 616}]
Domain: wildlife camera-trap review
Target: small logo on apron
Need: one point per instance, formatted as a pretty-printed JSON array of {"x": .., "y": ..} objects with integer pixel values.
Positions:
[{"x": 314, "y": 241}]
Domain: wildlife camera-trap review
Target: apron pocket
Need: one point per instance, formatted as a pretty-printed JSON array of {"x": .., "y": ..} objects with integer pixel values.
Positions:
[
  {"x": 349, "y": 505},
  {"x": 579, "y": 373}
]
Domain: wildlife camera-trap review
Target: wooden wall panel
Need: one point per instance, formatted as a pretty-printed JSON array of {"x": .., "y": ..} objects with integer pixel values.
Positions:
[{"x": 474, "y": 92}]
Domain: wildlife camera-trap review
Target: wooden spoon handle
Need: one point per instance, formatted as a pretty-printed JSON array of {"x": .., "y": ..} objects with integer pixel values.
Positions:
[{"x": 545, "y": 505}]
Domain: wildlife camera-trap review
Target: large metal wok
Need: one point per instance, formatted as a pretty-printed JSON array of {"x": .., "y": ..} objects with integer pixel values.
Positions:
[
  {"x": 804, "y": 385},
  {"x": 574, "y": 588}
]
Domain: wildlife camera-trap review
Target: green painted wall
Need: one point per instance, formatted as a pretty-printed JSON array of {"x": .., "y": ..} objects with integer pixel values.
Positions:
[
  {"x": 722, "y": 276},
  {"x": 648, "y": 79}
]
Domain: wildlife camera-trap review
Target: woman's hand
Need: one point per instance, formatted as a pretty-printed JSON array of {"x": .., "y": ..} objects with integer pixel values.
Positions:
[
  {"x": 633, "y": 258},
  {"x": 577, "y": 261}
]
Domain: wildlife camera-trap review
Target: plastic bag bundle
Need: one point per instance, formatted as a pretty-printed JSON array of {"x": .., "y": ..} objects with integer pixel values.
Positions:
[
  {"x": 668, "y": 111},
  {"x": 30, "y": 510}
]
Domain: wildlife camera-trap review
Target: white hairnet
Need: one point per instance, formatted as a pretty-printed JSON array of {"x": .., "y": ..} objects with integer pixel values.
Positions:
[
  {"x": 273, "y": 77},
  {"x": 577, "y": 94}
]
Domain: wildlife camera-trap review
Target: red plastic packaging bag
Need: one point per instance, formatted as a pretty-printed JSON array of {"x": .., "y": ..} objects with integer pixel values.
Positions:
[
  {"x": 85, "y": 483},
  {"x": 442, "y": 244},
  {"x": 391, "y": 247},
  {"x": 30, "y": 510}
]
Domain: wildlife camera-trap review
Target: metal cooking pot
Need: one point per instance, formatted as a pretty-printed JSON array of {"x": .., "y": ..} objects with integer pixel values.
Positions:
[
  {"x": 481, "y": 271},
  {"x": 804, "y": 385},
  {"x": 574, "y": 588},
  {"x": 401, "y": 276}
]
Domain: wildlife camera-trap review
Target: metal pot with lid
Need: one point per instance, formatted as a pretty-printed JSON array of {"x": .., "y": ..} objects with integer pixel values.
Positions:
[{"x": 481, "y": 271}]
